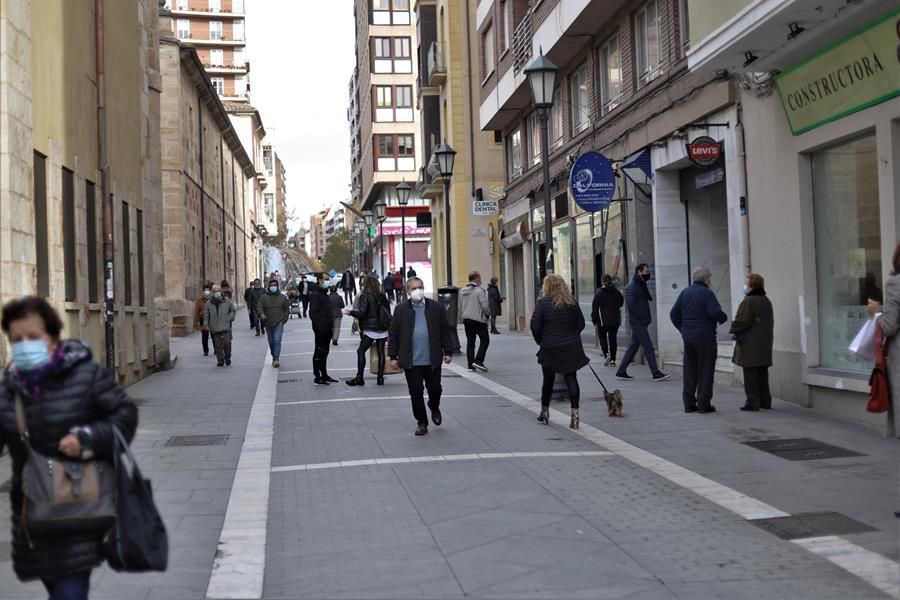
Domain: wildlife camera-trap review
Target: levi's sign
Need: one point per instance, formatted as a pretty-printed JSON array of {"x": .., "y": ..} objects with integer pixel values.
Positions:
[
  {"x": 704, "y": 151},
  {"x": 856, "y": 73}
]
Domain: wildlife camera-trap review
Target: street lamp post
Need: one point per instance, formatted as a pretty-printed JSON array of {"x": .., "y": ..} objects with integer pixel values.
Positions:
[
  {"x": 542, "y": 79},
  {"x": 403, "y": 191},
  {"x": 445, "y": 157},
  {"x": 357, "y": 249},
  {"x": 369, "y": 218},
  {"x": 380, "y": 210}
]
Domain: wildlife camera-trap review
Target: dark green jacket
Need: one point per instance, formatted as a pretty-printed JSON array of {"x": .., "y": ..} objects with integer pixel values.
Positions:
[{"x": 274, "y": 308}]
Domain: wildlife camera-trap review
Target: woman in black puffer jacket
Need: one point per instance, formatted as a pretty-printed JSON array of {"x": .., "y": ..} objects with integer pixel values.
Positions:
[
  {"x": 556, "y": 326},
  {"x": 374, "y": 315},
  {"x": 71, "y": 405}
]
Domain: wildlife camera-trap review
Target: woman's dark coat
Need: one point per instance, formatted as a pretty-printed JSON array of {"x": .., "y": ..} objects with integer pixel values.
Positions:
[
  {"x": 79, "y": 393},
  {"x": 368, "y": 311},
  {"x": 754, "y": 328},
  {"x": 557, "y": 330},
  {"x": 495, "y": 301}
]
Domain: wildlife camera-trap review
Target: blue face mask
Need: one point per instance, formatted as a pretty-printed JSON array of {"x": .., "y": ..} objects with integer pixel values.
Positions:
[
  {"x": 273, "y": 289},
  {"x": 217, "y": 295},
  {"x": 30, "y": 354}
]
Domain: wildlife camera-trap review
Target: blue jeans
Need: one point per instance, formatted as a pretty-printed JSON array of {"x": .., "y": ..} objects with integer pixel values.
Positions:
[
  {"x": 69, "y": 587},
  {"x": 274, "y": 334},
  {"x": 640, "y": 339},
  {"x": 254, "y": 319}
]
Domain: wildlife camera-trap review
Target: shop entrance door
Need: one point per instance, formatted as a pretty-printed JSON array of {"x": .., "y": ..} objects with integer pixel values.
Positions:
[
  {"x": 704, "y": 197},
  {"x": 518, "y": 286}
]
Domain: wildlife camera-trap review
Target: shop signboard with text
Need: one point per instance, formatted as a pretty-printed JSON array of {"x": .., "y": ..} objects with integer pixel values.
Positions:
[
  {"x": 592, "y": 182},
  {"x": 858, "y": 72}
]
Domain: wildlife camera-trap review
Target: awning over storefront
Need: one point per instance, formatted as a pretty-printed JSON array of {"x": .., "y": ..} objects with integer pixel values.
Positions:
[{"x": 638, "y": 170}]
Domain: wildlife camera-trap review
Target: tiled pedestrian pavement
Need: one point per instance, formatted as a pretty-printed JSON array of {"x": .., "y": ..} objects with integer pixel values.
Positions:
[{"x": 491, "y": 504}]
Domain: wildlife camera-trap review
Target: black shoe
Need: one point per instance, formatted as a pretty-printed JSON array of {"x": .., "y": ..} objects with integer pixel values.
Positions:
[
  {"x": 333, "y": 343},
  {"x": 356, "y": 381},
  {"x": 330, "y": 379},
  {"x": 480, "y": 366},
  {"x": 206, "y": 354},
  {"x": 471, "y": 368},
  {"x": 704, "y": 411},
  {"x": 662, "y": 376},
  {"x": 691, "y": 409},
  {"x": 319, "y": 381},
  {"x": 220, "y": 364},
  {"x": 380, "y": 380},
  {"x": 227, "y": 362},
  {"x": 766, "y": 407},
  {"x": 422, "y": 429},
  {"x": 624, "y": 377},
  {"x": 436, "y": 416},
  {"x": 749, "y": 408},
  {"x": 495, "y": 332}
]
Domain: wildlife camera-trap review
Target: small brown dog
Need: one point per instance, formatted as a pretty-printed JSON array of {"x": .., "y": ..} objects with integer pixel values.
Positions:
[{"x": 614, "y": 403}]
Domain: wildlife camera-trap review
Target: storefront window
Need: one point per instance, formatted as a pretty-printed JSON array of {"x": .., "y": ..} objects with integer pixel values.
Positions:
[
  {"x": 584, "y": 257},
  {"x": 609, "y": 229},
  {"x": 848, "y": 246},
  {"x": 562, "y": 252}
]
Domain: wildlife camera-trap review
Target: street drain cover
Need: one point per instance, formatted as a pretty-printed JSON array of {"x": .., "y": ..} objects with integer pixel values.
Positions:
[
  {"x": 4, "y": 487},
  {"x": 288, "y": 381},
  {"x": 806, "y": 525},
  {"x": 802, "y": 449},
  {"x": 197, "y": 440}
]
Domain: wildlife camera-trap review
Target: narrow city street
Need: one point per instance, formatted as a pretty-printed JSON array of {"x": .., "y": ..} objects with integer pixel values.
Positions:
[{"x": 272, "y": 487}]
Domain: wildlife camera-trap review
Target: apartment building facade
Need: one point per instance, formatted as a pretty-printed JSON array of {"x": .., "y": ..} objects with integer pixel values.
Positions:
[
  {"x": 624, "y": 90},
  {"x": 58, "y": 175},
  {"x": 820, "y": 106},
  {"x": 216, "y": 28},
  {"x": 274, "y": 194},
  {"x": 250, "y": 129},
  {"x": 206, "y": 181},
  {"x": 447, "y": 101}
]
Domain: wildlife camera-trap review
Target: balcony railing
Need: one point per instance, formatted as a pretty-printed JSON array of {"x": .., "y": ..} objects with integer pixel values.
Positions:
[
  {"x": 522, "y": 41},
  {"x": 437, "y": 68}
]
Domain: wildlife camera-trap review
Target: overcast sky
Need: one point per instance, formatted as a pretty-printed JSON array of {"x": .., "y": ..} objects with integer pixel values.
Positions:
[{"x": 302, "y": 56}]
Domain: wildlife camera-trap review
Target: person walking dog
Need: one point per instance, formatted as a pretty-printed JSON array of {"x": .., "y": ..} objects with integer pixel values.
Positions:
[
  {"x": 753, "y": 328},
  {"x": 70, "y": 406},
  {"x": 219, "y": 316},
  {"x": 556, "y": 325},
  {"x": 637, "y": 301},
  {"x": 696, "y": 314},
  {"x": 606, "y": 315},
  {"x": 419, "y": 342}
]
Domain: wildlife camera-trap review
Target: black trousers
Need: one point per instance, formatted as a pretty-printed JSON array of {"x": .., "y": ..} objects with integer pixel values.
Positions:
[
  {"x": 222, "y": 345},
  {"x": 348, "y": 297},
  {"x": 480, "y": 330},
  {"x": 305, "y": 301},
  {"x": 756, "y": 386},
  {"x": 204, "y": 339},
  {"x": 362, "y": 355},
  {"x": 608, "y": 342},
  {"x": 419, "y": 379},
  {"x": 571, "y": 384},
  {"x": 699, "y": 370},
  {"x": 320, "y": 353}
]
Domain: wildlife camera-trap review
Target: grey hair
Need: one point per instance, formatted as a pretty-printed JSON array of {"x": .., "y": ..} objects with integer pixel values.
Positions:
[
  {"x": 700, "y": 274},
  {"x": 414, "y": 279}
]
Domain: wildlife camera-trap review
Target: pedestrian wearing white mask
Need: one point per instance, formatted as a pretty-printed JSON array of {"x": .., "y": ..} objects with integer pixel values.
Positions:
[{"x": 419, "y": 342}]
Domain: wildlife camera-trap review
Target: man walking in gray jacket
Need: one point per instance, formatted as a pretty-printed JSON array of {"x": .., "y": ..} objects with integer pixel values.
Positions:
[
  {"x": 218, "y": 316},
  {"x": 474, "y": 309}
]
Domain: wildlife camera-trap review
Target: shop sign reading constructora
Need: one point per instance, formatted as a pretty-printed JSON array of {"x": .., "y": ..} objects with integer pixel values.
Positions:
[{"x": 856, "y": 73}]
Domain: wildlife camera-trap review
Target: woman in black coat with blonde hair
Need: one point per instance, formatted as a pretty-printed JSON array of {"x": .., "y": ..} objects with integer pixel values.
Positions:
[
  {"x": 556, "y": 325},
  {"x": 71, "y": 405}
]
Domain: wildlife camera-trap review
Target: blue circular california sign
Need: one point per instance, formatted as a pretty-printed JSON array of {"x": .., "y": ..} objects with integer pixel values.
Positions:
[{"x": 592, "y": 182}]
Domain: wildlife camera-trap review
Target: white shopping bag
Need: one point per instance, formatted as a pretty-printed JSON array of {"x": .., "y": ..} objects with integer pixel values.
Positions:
[{"x": 864, "y": 342}]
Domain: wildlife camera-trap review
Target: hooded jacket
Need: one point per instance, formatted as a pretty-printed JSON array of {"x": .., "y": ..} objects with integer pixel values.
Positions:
[
  {"x": 320, "y": 309},
  {"x": 276, "y": 307},
  {"x": 77, "y": 392},
  {"x": 606, "y": 310},
  {"x": 473, "y": 303},
  {"x": 219, "y": 315}
]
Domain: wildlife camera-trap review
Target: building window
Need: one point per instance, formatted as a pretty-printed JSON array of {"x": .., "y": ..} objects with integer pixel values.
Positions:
[
  {"x": 215, "y": 5},
  {"x": 578, "y": 90},
  {"x": 392, "y": 55},
  {"x": 646, "y": 38},
  {"x": 267, "y": 158},
  {"x": 390, "y": 12},
  {"x": 70, "y": 259},
  {"x": 610, "y": 75},
  {"x": 393, "y": 104},
  {"x": 216, "y": 57},
  {"x": 238, "y": 57},
  {"x": 237, "y": 6},
  {"x": 269, "y": 206},
  {"x": 237, "y": 33},
  {"x": 142, "y": 301},
  {"x": 848, "y": 246},
  {"x": 126, "y": 251},
  {"x": 515, "y": 155},
  {"x": 684, "y": 29},
  {"x": 534, "y": 128},
  {"x": 183, "y": 4},
  {"x": 42, "y": 247},
  {"x": 183, "y": 28},
  {"x": 505, "y": 8},
  {"x": 490, "y": 61},
  {"x": 395, "y": 152},
  {"x": 215, "y": 30},
  {"x": 556, "y": 119},
  {"x": 90, "y": 199},
  {"x": 219, "y": 84}
]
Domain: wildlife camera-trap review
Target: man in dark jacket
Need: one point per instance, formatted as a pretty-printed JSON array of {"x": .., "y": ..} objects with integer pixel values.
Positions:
[
  {"x": 348, "y": 285},
  {"x": 218, "y": 316},
  {"x": 304, "y": 291},
  {"x": 419, "y": 340},
  {"x": 696, "y": 314},
  {"x": 274, "y": 312},
  {"x": 637, "y": 301},
  {"x": 251, "y": 296},
  {"x": 606, "y": 315},
  {"x": 323, "y": 327}
]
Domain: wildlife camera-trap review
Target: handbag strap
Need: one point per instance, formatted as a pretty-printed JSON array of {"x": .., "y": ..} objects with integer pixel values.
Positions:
[{"x": 20, "y": 418}]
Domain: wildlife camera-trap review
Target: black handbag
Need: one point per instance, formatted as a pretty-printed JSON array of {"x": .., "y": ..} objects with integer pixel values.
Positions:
[
  {"x": 64, "y": 495},
  {"x": 138, "y": 542}
]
